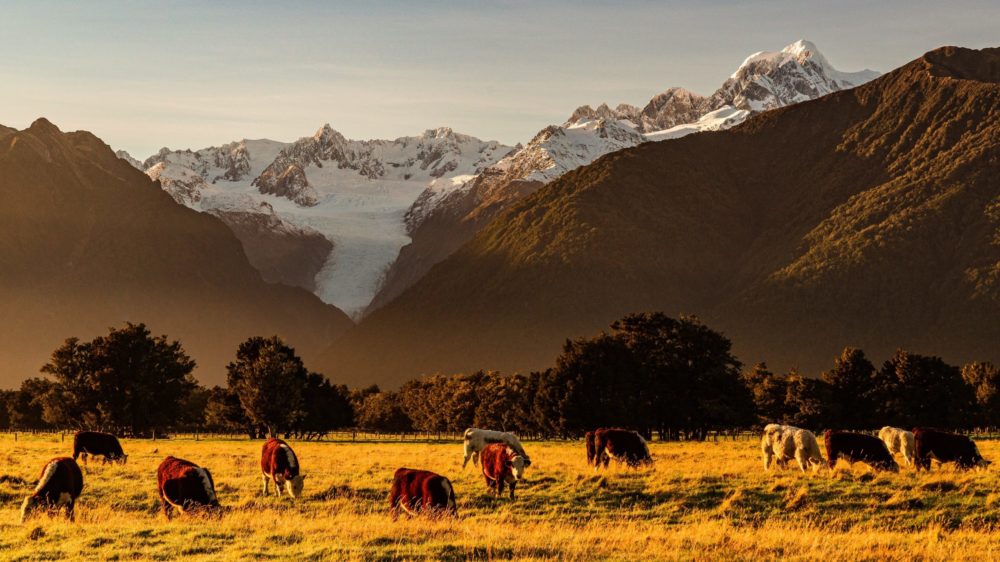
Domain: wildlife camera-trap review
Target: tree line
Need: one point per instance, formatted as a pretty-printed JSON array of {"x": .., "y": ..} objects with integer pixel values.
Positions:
[{"x": 672, "y": 377}]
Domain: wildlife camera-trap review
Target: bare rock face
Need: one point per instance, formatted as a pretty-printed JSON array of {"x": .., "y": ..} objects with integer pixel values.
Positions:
[
  {"x": 280, "y": 251},
  {"x": 434, "y": 154}
]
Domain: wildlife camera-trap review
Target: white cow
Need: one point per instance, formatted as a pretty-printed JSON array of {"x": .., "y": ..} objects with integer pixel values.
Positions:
[
  {"x": 476, "y": 440},
  {"x": 899, "y": 441},
  {"x": 782, "y": 443}
]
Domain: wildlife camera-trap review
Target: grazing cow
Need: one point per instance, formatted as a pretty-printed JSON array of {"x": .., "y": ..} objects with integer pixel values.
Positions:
[
  {"x": 501, "y": 464},
  {"x": 186, "y": 486},
  {"x": 58, "y": 486},
  {"x": 782, "y": 443},
  {"x": 621, "y": 444},
  {"x": 946, "y": 447},
  {"x": 475, "y": 440},
  {"x": 279, "y": 464},
  {"x": 591, "y": 448},
  {"x": 899, "y": 441},
  {"x": 95, "y": 443},
  {"x": 858, "y": 447},
  {"x": 415, "y": 491}
]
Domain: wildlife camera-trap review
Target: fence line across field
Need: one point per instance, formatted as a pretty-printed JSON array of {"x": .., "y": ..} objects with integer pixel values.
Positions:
[{"x": 410, "y": 437}]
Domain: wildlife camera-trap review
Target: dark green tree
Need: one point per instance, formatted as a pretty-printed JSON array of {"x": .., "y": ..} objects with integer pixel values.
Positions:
[
  {"x": 381, "y": 411},
  {"x": 269, "y": 379},
  {"x": 853, "y": 399},
  {"x": 984, "y": 379},
  {"x": 126, "y": 381}
]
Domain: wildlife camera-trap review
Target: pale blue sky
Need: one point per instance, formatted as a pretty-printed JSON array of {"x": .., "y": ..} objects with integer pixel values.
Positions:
[{"x": 189, "y": 74}]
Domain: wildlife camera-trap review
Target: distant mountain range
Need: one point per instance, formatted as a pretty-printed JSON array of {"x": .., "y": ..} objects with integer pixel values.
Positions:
[
  {"x": 868, "y": 217},
  {"x": 88, "y": 242},
  {"x": 358, "y": 222}
]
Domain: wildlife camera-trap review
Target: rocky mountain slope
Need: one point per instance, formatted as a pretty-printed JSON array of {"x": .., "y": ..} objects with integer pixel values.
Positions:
[
  {"x": 87, "y": 241},
  {"x": 324, "y": 213},
  {"x": 445, "y": 216},
  {"x": 868, "y": 217}
]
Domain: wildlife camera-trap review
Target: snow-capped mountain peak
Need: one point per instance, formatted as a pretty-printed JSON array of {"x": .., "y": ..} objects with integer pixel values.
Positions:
[{"x": 797, "y": 73}]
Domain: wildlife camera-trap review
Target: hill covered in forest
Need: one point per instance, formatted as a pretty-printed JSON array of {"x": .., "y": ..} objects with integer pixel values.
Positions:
[
  {"x": 87, "y": 242},
  {"x": 869, "y": 217}
]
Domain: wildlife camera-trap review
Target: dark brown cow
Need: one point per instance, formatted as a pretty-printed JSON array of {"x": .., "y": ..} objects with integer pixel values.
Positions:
[
  {"x": 858, "y": 447},
  {"x": 591, "y": 449},
  {"x": 945, "y": 447},
  {"x": 501, "y": 464},
  {"x": 279, "y": 464},
  {"x": 95, "y": 443},
  {"x": 58, "y": 486},
  {"x": 186, "y": 486},
  {"x": 421, "y": 491},
  {"x": 624, "y": 445}
]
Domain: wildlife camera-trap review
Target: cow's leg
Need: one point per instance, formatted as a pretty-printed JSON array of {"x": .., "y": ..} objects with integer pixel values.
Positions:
[
  {"x": 265, "y": 478},
  {"x": 802, "y": 459},
  {"x": 768, "y": 457},
  {"x": 70, "y": 514},
  {"x": 166, "y": 508},
  {"x": 468, "y": 454},
  {"x": 500, "y": 483},
  {"x": 475, "y": 458},
  {"x": 512, "y": 484}
]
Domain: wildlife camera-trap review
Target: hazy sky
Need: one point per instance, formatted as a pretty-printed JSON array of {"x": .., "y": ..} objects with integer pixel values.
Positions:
[{"x": 142, "y": 75}]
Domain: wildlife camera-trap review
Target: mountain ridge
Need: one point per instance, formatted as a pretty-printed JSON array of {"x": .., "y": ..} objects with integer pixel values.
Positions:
[{"x": 760, "y": 229}]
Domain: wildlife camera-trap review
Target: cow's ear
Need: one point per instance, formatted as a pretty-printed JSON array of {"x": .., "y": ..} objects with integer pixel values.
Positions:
[{"x": 303, "y": 476}]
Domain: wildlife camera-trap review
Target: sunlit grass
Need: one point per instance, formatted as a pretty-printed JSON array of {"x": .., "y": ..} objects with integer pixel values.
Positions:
[{"x": 702, "y": 500}]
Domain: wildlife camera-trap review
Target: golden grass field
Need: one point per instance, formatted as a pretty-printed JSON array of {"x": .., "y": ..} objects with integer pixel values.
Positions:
[{"x": 701, "y": 501}]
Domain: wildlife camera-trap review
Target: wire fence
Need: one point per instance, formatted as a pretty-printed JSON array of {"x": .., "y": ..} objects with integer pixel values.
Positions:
[{"x": 360, "y": 436}]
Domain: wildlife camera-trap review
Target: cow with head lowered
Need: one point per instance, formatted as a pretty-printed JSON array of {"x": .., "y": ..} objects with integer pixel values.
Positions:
[
  {"x": 502, "y": 465},
  {"x": 858, "y": 447},
  {"x": 97, "y": 444},
  {"x": 475, "y": 440},
  {"x": 946, "y": 447},
  {"x": 185, "y": 486},
  {"x": 279, "y": 464},
  {"x": 899, "y": 442},
  {"x": 623, "y": 445},
  {"x": 782, "y": 443},
  {"x": 421, "y": 491},
  {"x": 58, "y": 487}
]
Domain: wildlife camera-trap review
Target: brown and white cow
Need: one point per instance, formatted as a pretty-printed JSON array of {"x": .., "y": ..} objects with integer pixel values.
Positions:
[
  {"x": 95, "y": 443},
  {"x": 501, "y": 465},
  {"x": 279, "y": 464},
  {"x": 58, "y": 486},
  {"x": 421, "y": 491},
  {"x": 858, "y": 447},
  {"x": 946, "y": 447},
  {"x": 474, "y": 440},
  {"x": 185, "y": 486},
  {"x": 621, "y": 444}
]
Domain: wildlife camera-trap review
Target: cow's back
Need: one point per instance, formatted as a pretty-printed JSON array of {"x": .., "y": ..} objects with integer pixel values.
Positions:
[
  {"x": 182, "y": 481},
  {"x": 277, "y": 457},
  {"x": 60, "y": 475},
  {"x": 493, "y": 459},
  {"x": 96, "y": 443}
]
